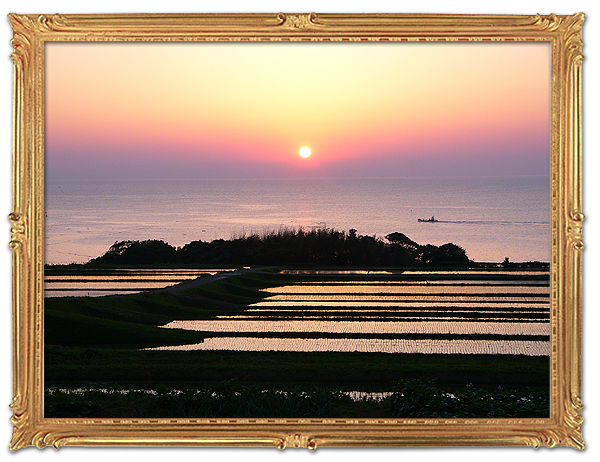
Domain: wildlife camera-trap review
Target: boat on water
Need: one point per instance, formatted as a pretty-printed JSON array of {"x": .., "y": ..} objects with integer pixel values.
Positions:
[{"x": 428, "y": 220}]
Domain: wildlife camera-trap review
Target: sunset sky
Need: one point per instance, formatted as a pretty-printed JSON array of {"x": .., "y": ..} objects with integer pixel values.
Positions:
[{"x": 149, "y": 110}]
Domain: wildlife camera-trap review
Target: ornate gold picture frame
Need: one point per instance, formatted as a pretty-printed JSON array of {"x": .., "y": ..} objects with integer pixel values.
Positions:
[{"x": 31, "y": 427}]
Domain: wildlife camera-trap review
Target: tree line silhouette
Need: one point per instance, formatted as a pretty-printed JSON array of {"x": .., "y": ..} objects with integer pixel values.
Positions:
[{"x": 315, "y": 247}]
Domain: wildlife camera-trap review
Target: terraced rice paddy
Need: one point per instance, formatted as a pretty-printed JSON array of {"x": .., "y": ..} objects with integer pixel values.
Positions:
[
  {"x": 362, "y": 288},
  {"x": 369, "y": 345},
  {"x": 451, "y": 312},
  {"x": 118, "y": 281},
  {"x": 244, "y": 325}
]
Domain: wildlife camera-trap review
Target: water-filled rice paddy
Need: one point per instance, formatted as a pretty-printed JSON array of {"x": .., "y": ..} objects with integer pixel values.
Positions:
[
  {"x": 336, "y": 300},
  {"x": 512, "y": 347},
  {"x": 118, "y": 281},
  {"x": 468, "y": 272},
  {"x": 363, "y": 327},
  {"x": 363, "y": 288},
  {"x": 336, "y": 272},
  {"x": 444, "y": 312}
]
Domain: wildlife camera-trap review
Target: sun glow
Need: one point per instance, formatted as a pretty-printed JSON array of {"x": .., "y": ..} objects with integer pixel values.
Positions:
[{"x": 305, "y": 152}]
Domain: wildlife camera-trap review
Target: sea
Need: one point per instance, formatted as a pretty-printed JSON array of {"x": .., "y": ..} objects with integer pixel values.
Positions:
[{"x": 492, "y": 218}]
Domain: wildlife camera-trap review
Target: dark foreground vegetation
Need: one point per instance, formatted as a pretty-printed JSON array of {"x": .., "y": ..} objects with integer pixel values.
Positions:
[
  {"x": 412, "y": 398},
  {"x": 79, "y": 366},
  {"x": 316, "y": 247}
]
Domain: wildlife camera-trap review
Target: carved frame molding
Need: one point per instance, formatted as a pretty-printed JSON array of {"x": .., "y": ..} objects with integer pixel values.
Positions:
[{"x": 30, "y": 427}]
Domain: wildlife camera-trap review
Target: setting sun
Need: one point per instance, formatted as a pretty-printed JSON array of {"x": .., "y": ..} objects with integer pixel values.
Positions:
[{"x": 305, "y": 152}]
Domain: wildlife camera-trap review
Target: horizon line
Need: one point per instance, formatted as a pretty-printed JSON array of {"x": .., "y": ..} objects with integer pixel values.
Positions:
[{"x": 295, "y": 178}]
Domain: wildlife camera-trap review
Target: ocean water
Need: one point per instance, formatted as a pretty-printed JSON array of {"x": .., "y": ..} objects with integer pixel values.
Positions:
[{"x": 491, "y": 218}]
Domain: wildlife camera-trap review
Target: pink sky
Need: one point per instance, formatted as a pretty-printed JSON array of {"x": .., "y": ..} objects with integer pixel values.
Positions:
[{"x": 145, "y": 110}]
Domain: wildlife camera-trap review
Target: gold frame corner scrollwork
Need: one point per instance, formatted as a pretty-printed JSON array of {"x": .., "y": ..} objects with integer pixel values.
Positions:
[{"x": 563, "y": 428}]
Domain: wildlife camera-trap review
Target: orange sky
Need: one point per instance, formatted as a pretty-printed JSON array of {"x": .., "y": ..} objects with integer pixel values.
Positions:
[{"x": 245, "y": 109}]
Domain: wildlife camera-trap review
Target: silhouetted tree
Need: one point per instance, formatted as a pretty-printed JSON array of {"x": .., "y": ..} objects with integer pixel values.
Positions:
[
  {"x": 452, "y": 254},
  {"x": 321, "y": 246},
  {"x": 138, "y": 253}
]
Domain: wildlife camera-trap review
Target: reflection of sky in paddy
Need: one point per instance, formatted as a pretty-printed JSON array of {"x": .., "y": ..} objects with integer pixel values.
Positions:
[
  {"x": 87, "y": 293},
  {"x": 420, "y": 289},
  {"x": 135, "y": 274},
  {"x": 378, "y": 317},
  {"x": 420, "y": 272},
  {"x": 379, "y": 303},
  {"x": 100, "y": 288},
  {"x": 108, "y": 285},
  {"x": 370, "y": 327},
  {"x": 427, "y": 346},
  {"x": 387, "y": 312},
  {"x": 335, "y": 272},
  {"x": 478, "y": 272},
  {"x": 119, "y": 281},
  {"x": 442, "y": 282}
]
